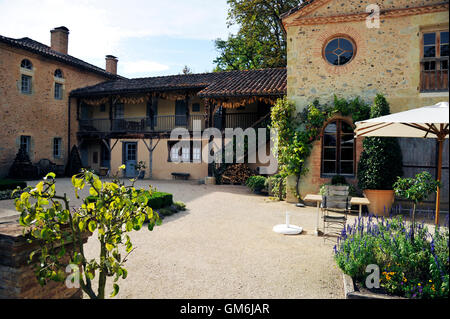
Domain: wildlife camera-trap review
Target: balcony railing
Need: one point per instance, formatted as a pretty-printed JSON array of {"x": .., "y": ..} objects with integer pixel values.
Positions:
[
  {"x": 434, "y": 74},
  {"x": 159, "y": 124},
  {"x": 235, "y": 120}
]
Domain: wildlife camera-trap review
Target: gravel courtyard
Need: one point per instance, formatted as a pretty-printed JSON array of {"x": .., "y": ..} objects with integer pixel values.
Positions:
[{"x": 223, "y": 246}]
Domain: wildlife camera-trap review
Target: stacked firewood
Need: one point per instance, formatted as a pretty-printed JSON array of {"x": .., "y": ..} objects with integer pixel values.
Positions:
[{"x": 237, "y": 174}]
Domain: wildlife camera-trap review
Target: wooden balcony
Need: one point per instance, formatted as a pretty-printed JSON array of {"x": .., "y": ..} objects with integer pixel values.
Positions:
[{"x": 156, "y": 124}]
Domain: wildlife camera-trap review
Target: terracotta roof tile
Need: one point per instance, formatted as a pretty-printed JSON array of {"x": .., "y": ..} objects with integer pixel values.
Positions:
[
  {"x": 44, "y": 50},
  {"x": 218, "y": 84}
]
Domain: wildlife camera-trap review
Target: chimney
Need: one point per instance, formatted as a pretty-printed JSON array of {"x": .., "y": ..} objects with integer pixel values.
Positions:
[
  {"x": 59, "y": 39},
  {"x": 111, "y": 64}
]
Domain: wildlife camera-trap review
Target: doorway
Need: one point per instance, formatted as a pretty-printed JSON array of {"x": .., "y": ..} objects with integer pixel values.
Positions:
[{"x": 130, "y": 159}]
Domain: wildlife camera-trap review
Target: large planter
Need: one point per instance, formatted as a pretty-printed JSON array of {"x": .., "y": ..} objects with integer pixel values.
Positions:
[{"x": 380, "y": 201}]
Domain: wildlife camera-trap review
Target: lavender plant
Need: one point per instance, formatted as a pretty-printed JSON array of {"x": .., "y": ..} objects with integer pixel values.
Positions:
[{"x": 411, "y": 266}]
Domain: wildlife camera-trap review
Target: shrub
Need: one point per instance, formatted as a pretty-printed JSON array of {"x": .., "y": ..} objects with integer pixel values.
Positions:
[
  {"x": 10, "y": 184},
  {"x": 278, "y": 186},
  {"x": 416, "y": 189},
  {"x": 410, "y": 266},
  {"x": 157, "y": 200},
  {"x": 180, "y": 206},
  {"x": 256, "y": 183},
  {"x": 381, "y": 160}
]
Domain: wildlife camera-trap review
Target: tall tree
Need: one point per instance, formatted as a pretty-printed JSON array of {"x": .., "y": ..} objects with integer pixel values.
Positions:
[{"x": 260, "y": 41}]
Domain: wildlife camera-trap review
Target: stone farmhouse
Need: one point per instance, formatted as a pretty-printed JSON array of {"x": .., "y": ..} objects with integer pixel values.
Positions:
[
  {"x": 51, "y": 101},
  {"x": 336, "y": 47}
]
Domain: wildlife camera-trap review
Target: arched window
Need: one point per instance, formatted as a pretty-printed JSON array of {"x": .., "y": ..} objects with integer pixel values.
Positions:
[
  {"x": 58, "y": 74},
  {"x": 26, "y": 64},
  {"x": 339, "y": 51},
  {"x": 338, "y": 149}
]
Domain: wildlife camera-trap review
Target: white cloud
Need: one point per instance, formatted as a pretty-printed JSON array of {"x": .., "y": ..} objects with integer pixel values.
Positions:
[
  {"x": 98, "y": 27},
  {"x": 142, "y": 66}
]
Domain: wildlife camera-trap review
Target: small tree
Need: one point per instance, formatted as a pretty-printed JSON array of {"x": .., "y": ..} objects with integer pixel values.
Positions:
[
  {"x": 112, "y": 209},
  {"x": 381, "y": 160},
  {"x": 416, "y": 189}
]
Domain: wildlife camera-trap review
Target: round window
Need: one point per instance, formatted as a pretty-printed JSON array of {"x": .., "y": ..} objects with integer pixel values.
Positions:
[{"x": 339, "y": 51}]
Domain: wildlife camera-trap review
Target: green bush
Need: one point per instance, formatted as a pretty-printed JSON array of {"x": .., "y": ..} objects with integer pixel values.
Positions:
[
  {"x": 256, "y": 183},
  {"x": 9, "y": 184},
  {"x": 158, "y": 200},
  {"x": 278, "y": 186},
  {"x": 381, "y": 160},
  {"x": 180, "y": 206},
  {"x": 410, "y": 266}
]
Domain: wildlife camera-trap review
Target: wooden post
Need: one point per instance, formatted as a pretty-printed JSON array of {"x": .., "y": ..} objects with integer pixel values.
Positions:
[{"x": 439, "y": 178}]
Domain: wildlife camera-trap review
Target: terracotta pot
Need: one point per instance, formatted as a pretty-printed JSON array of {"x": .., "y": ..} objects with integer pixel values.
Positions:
[{"x": 380, "y": 201}]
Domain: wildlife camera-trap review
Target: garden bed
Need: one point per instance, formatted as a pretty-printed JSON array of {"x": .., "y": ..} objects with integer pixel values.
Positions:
[
  {"x": 412, "y": 261},
  {"x": 357, "y": 291}
]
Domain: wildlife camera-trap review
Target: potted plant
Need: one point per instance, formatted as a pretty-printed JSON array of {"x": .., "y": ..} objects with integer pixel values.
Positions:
[
  {"x": 416, "y": 189},
  {"x": 380, "y": 165},
  {"x": 140, "y": 169},
  {"x": 256, "y": 183}
]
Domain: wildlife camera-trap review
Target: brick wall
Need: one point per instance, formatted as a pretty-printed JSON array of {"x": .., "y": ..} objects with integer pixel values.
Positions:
[
  {"x": 39, "y": 114},
  {"x": 17, "y": 277}
]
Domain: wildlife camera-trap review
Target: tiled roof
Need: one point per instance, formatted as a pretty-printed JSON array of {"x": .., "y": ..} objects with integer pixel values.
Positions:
[
  {"x": 302, "y": 4},
  {"x": 218, "y": 84},
  {"x": 44, "y": 50}
]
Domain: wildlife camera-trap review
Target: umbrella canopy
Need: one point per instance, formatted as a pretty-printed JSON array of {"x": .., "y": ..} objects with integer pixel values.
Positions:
[
  {"x": 426, "y": 122},
  {"x": 429, "y": 122}
]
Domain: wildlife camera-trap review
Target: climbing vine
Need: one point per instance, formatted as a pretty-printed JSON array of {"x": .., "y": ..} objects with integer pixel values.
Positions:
[{"x": 298, "y": 131}]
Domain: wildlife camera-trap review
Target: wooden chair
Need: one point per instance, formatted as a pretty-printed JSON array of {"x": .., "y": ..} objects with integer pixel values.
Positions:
[{"x": 335, "y": 207}]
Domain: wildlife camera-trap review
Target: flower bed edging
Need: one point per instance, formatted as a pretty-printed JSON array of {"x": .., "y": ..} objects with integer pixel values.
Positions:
[{"x": 350, "y": 293}]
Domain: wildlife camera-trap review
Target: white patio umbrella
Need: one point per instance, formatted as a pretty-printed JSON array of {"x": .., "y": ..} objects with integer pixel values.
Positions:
[{"x": 427, "y": 122}]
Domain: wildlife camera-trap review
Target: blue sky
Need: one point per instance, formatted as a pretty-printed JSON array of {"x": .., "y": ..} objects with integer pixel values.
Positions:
[{"x": 150, "y": 37}]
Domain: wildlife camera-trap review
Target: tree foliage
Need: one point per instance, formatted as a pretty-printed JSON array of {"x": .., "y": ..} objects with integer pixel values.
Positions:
[
  {"x": 381, "y": 160},
  {"x": 260, "y": 41},
  {"x": 112, "y": 210}
]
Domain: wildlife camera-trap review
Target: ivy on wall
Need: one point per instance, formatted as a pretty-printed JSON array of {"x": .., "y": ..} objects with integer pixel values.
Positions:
[{"x": 298, "y": 131}]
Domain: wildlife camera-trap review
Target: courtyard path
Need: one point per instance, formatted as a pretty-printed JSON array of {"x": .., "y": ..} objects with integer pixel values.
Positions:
[{"x": 223, "y": 246}]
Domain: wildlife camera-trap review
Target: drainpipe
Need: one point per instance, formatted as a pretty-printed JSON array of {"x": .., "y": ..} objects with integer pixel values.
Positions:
[{"x": 68, "y": 132}]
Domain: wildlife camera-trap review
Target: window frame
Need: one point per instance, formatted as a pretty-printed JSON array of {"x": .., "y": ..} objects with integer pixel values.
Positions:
[
  {"x": 58, "y": 144},
  {"x": 339, "y": 36},
  {"x": 26, "y": 138},
  {"x": 437, "y": 59},
  {"x": 29, "y": 78},
  {"x": 58, "y": 94},
  {"x": 338, "y": 160},
  {"x": 192, "y": 145},
  {"x": 26, "y": 67}
]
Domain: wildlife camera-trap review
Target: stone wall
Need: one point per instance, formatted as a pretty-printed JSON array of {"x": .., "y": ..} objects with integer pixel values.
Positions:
[
  {"x": 387, "y": 61},
  {"x": 17, "y": 277},
  {"x": 38, "y": 114}
]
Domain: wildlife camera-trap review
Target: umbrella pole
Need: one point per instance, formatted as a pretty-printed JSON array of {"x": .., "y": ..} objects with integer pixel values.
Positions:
[{"x": 439, "y": 177}]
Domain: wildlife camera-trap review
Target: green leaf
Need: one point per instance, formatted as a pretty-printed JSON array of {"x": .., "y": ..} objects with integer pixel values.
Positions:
[
  {"x": 109, "y": 246},
  {"x": 40, "y": 187},
  {"x": 122, "y": 167},
  {"x": 92, "y": 191},
  {"x": 116, "y": 290},
  {"x": 92, "y": 226},
  {"x": 129, "y": 226},
  {"x": 51, "y": 174},
  {"x": 82, "y": 225},
  {"x": 97, "y": 184}
]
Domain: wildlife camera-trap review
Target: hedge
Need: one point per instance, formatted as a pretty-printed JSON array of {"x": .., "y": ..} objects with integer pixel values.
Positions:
[
  {"x": 158, "y": 200},
  {"x": 7, "y": 184}
]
